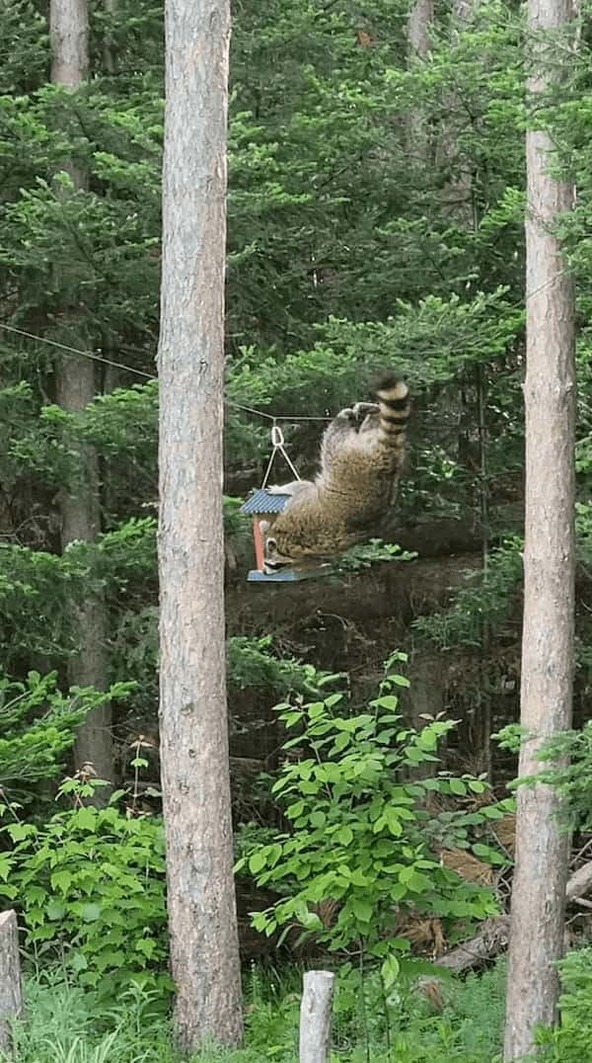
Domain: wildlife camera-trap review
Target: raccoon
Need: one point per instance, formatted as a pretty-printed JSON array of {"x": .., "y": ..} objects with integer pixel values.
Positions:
[{"x": 362, "y": 452}]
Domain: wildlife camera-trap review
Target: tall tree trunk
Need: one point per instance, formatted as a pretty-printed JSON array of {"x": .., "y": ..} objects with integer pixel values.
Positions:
[
  {"x": 421, "y": 16},
  {"x": 68, "y": 28},
  {"x": 458, "y": 194},
  {"x": 537, "y": 927},
  {"x": 420, "y": 19},
  {"x": 109, "y": 7},
  {"x": 193, "y": 709},
  {"x": 76, "y": 388}
]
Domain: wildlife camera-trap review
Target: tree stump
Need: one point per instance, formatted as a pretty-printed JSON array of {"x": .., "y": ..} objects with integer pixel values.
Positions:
[{"x": 315, "y": 1016}]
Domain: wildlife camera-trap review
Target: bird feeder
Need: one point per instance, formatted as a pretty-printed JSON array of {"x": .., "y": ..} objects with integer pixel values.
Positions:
[{"x": 267, "y": 505}]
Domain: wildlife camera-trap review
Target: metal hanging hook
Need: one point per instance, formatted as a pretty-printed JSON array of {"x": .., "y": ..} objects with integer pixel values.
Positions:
[
  {"x": 277, "y": 436},
  {"x": 278, "y": 444}
]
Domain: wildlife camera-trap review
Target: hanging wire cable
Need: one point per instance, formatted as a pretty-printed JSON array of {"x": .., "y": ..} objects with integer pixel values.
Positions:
[
  {"x": 140, "y": 372},
  {"x": 230, "y": 402},
  {"x": 74, "y": 350},
  {"x": 271, "y": 416}
]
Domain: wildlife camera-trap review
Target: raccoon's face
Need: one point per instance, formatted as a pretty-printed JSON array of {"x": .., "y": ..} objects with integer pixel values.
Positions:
[{"x": 273, "y": 559}]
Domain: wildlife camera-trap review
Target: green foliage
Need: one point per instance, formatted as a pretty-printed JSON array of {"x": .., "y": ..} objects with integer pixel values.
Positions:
[
  {"x": 38, "y": 728},
  {"x": 487, "y": 597},
  {"x": 23, "y": 48},
  {"x": 348, "y": 249},
  {"x": 63, "y": 1022},
  {"x": 362, "y": 841},
  {"x": 566, "y": 764},
  {"x": 66, "y": 1023},
  {"x": 364, "y": 556},
  {"x": 344, "y": 253},
  {"x": 89, "y": 884},
  {"x": 572, "y": 1040},
  {"x": 252, "y": 663}
]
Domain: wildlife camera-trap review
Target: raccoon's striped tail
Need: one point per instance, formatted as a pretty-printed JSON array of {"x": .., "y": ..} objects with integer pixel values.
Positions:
[{"x": 394, "y": 408}]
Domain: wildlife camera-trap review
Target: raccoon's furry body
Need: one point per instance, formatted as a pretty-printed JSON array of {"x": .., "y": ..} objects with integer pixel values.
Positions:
[{"x": 362, "y": 453}]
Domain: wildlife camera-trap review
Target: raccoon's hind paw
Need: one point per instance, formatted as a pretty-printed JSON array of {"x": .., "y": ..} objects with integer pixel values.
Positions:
[
  {"x": 348, "y": 414},
  {"x": 362, "y": 409}
]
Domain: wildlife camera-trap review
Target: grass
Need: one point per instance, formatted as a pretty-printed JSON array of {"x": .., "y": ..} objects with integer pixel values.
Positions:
[{"x": 65, "y": 1024}]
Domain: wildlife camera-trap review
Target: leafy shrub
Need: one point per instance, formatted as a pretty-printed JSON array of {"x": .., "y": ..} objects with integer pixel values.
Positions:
[
  {"x": 566, "y": 761},
  {"x": 38, "y": 726},
  {"x": 571, "y": 1042},
  {"x": 362, "y": 848},
  {"x": 368, "y": 554},
  {"x": 90, "y": 886}
]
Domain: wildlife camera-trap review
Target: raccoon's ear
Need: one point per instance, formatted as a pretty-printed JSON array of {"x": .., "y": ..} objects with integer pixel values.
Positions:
[
  {"x": 264, "y": 526},
  {"x": 271, "y": 543}
]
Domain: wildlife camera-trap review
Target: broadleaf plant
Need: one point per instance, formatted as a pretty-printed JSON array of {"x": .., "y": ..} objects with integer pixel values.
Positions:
[{"x": 362, "y": 848}]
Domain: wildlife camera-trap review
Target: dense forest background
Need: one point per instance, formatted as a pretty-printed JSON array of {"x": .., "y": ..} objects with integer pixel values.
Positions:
[{"x": 375, "y": 219}]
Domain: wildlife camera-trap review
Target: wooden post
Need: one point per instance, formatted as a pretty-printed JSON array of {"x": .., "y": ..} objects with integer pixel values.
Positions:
[
  {"x": 11, "y": 992},
  {"x": 315, "y": 1016},
  {"x": 259, "y": 544}
]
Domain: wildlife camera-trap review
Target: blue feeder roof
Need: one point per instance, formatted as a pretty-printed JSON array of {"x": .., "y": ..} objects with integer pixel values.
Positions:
[{"x": 262, "y": 501}]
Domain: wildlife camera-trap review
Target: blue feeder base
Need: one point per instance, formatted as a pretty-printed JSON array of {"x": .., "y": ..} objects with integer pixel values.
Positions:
[{"x": 287, "y": 575}]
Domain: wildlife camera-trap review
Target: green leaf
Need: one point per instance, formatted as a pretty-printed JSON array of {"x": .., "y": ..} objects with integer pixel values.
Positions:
[
  {"x": 78, "y": 960},
  {"x": 477, "y": 786},
  {"x": 361, "y": 908},
  {"x": 85, "y": 818},
  {"x": 61, "y": 880},
  {"x": 389, "y": 971},
  {"x": 55, "y": 910},
  {"x": 387, "y": 701},
  {"x": 19, "y": 831},
  {"x": 90, "y": 913},
  {"x": 257, "y": 861},
  {"x": 344, "y": 835}
]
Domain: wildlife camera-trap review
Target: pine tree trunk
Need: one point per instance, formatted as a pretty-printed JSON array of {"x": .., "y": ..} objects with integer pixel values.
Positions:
[
  {"x": 80, "y": 514},
  {"x": 68, "y": 28},
  {"x": 538, "y": 896},
  {"x": 109, "y": 7},
  {"x": 458, "y": 194},
  {"x": 193, "y": 709},
  {"x": 421, "y": 16}
]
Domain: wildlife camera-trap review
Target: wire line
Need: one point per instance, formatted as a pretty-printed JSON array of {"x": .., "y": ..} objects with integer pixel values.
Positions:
[
  {"x": 140, "y": 372},
  {"x": 75, "y": 350}
]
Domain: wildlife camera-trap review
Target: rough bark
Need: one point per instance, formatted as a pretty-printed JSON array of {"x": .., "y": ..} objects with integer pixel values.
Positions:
[
  {"x": 538, "y": 896},
  {"x": 68, "y": 29},
  {"x": 420, "y": 19},
  {"x": 11, "y": 991},
  {"x": 426, "y": 695},
  {"x": 458, "y": 194},
  {"x": 193, "y": 711},
  {"x": 76, "y": 388},
  {"x": 108, "y": 47}
]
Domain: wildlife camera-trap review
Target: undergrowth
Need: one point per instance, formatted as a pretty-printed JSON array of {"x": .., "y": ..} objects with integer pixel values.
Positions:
[{"x": 67, "y": 1024}]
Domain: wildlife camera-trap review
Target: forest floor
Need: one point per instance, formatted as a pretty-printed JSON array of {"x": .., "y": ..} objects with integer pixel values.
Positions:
[{"x": 66, "y": 1025}]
